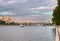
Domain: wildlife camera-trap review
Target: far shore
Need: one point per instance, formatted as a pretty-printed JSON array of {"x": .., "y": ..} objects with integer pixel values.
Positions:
[
  {"x": 9, "y": 25},
  {"x": 18, "y": 25}
]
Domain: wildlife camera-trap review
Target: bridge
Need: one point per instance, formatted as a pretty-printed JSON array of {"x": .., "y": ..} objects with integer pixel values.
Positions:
[{"x": 37, "y": 24}]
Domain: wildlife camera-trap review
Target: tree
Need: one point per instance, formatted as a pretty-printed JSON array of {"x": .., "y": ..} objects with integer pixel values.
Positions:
[
  {"x": 58, "y": 1},
  {"x": 56, "y": 14},
  {"x": 12, "y": 23},
  {"x": 2, "y": 22}
]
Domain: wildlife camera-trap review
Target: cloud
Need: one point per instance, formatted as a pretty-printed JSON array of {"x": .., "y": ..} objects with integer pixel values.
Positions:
[
  {"x": 23, "y": 1},
  {"x": 6, "y": 13},
  {"x": 8, "y": 2},
  {"x": 1, "y": 1},
  {"x": 36, "y": 15},
  {"x": 47, "y": 7},
  {"x": 28, "y": 9},
  {"x": 50, "y": 13},
  {"x": 36, "y": 18}
]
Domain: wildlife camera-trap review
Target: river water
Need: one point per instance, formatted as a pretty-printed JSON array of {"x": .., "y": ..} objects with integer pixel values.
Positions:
[{"x": 28, "y": 33}]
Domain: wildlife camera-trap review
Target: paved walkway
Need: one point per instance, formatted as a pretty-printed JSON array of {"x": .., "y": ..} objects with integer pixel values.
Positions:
[{"x": 57, "y": 34}]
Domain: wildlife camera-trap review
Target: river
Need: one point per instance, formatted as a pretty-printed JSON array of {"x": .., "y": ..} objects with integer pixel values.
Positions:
[{"x": 28, "y": 33}]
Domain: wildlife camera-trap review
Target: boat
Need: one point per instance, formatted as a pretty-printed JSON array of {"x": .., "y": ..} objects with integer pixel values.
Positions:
[{"x": 21, "y": 25}]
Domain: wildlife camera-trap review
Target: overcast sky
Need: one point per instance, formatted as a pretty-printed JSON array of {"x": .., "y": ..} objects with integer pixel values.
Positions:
[{"x": 28, "y": 9}]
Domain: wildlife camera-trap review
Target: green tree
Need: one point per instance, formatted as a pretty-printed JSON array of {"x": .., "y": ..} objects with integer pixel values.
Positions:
[
  {"x": 12, "y": 23},
  {"x": 2, "y": 22},
  {"x": 56, "y": 14}
]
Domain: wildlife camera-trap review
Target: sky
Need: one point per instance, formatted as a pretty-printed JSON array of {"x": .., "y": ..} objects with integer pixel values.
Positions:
[{"x": 34, "y": 10}]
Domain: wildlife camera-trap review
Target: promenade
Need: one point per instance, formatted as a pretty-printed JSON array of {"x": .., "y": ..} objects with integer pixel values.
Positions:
[{"x": 57, "y": 34}]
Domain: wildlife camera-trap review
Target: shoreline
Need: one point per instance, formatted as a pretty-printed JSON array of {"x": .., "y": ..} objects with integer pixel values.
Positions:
[
  {"x": 9, "y": 25},
  {"x": 18, "y": 25}
]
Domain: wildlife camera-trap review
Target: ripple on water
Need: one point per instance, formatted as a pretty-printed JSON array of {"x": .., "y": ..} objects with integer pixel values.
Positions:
[{"x": 32, "y": 33}]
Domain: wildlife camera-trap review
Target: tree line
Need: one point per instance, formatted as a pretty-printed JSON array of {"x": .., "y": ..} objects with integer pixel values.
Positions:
[{"x": 10, "y": 23}]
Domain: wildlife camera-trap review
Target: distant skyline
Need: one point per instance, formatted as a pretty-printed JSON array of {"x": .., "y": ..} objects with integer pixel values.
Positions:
[{"x": 39, "y": 10}]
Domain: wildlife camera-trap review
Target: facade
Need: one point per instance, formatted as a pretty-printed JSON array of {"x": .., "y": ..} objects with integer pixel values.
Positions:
[
  {"x": 0, "y": 17},
  {"x": 6, "y": 18}
]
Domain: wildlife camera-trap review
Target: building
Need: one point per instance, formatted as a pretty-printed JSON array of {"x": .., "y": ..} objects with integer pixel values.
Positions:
[
  {"x": 6, "y": 18},
  {"x": 0, "y": 17}
]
